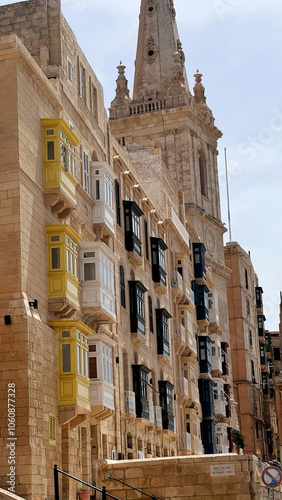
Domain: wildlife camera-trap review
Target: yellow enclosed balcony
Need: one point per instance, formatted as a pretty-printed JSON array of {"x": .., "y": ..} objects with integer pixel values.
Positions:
[
  {"x": 73, "y": 368},
  {"x": 62, "y": 270},
  {"x": 59, "y": 143}
]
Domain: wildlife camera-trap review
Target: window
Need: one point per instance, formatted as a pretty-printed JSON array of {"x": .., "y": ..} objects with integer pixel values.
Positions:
[
  {"x": 277, "y": 355},
  {"x": 132, "y": 214},
  {"x": 66, "y": 358},
  {"x": 203, "y": 174},
  {"x": 251, "y": 338},
  {"x": 253, "y": 368},
  {"x": 158, "y": 248},
  {"x": 201, "y": 301},
  {"x": 137, "y": 307},
  {"x": 101, "y": 362},
  {"x": 94, "y": 101},
  {"x": 162, "y": 317},
  {"x": 82, "y": 92},
  {"x": 117, "y": 191},
  {"x": 246, "y": 279},
  {"x": 205, "y": 354},
  {"x": 69, "y": 70},
  {"x": 67, "y": 153},
  {"x": 122, "y": 286},
  {"x": 86, "y": 180},
  {"x": 71, "y": 256},
  {"x": 146, "y": 239},
  {"x": 108, "y": 186},
  {"x": 151, "y": 318},
  {"x": 199, "y": 260},
  {"x": 248, "y": 307},
  {"x": 52, "y": 429},
  {"x": 140, "y": 387},
  {"x": 166, "y": 402}
]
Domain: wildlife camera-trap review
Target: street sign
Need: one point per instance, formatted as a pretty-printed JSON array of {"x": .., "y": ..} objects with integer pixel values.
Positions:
[{"x": 272, "y": 476}]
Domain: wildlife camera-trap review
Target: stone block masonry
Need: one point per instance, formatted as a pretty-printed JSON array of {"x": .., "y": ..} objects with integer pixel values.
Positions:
[{"x": 205, "y": 477}]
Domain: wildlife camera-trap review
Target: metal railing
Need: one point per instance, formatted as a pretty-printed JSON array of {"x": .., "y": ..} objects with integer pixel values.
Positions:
[
  {"x": 57, "y": 471},
  {"x": 132, "y": 487}
]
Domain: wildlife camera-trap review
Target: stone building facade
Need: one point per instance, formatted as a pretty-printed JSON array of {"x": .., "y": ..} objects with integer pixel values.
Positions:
[
  {"x": 252, "y": 359},
  {"x": 276, "y": 350},
  {"x": 114, "y": 326}
]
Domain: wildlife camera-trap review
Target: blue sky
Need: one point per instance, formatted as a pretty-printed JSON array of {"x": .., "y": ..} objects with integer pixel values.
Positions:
[{"x": 236, "y": 44}]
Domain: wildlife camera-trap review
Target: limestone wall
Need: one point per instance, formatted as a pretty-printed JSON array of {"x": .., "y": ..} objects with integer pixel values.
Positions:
[
  {"x": 7, "y": 495},
  {"x": 188, "y": 477}
]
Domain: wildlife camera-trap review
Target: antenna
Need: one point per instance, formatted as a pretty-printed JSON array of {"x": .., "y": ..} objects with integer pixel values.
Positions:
[{"x": 228, "y": 199}]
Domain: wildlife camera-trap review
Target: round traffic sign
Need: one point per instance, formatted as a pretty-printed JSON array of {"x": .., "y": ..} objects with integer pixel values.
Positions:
[{"x": 272, "y": 476}]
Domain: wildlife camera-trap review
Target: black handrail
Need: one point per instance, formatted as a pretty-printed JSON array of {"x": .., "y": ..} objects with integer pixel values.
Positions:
[
  {"x": 132, "y": 487},
  {"x": 104, "y": 492}
]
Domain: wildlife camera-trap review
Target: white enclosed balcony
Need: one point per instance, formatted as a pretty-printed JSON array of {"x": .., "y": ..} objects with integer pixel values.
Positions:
[
  {"x": 219, "y": 399},
  {"x": 158, "y": 416},
  {"x": 176, "y": 285},
  {"x": 130, "y": 407},
  {"x": 102, "y": 193},
  {"x": 189, "y": 296},
  {"x": 213, "y": 310},
  {"x": 192, "y": 342},
  {"x": 97, "y": 281},
  {"x": 102, "y": 399},
  {"x": 151, "y": 412},
  {"x": 102, "y": 390},
  {"x": 180, "y": 338},
  {"x": 222, "y": 439},
  {"x": 216, "y": 355},
  {"x": 185, "y": 441},
  {"x": 183, "y": 390}
]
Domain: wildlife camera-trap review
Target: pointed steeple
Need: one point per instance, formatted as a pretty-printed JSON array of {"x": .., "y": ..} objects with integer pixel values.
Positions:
[
  {"x": 158, "y": 69},
  {"x": 121, "y": 102}
]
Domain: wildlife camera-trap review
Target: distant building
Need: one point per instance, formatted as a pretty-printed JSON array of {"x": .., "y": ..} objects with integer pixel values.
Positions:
[
  {"x": 251, "y": 356},
  {"x": 276, "y": 343}
]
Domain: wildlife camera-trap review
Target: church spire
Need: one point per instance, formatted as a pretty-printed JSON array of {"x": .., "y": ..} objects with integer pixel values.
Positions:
[{"x": 159, "y": 66}]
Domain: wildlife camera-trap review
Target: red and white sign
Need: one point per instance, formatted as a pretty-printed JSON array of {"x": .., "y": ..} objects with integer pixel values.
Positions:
[{"x": 272, "y": 476}]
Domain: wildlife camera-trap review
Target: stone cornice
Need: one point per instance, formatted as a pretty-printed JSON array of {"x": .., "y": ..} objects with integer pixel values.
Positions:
[
  {"x": 196, "y": 209},
  {"x": 219, "y": 269}
]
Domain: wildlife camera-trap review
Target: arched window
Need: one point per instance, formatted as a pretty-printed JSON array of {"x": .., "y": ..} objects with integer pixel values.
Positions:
[
  {"x": 151, "y": 318},
  {"x": 203, "y": 174},
  {"x": 122, "y": 286}
]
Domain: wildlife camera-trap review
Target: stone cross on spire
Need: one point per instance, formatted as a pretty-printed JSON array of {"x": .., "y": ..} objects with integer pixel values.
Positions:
[{"x": 158, "y": 42}]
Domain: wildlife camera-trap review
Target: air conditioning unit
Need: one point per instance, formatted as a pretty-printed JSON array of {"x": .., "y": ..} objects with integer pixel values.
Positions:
[
  {"x": 141, "y": 455},
  {"x": 114, "y": 454}
]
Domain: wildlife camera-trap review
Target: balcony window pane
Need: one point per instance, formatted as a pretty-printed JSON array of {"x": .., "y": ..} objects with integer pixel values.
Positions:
[
  {"x": 66, "y": 358},
  {"x": 55, "y": 253},
  {"x": 78, "y": 359},
  {"x": 93, "y": 367},
  {"x": 88, "y": 255},
  {"x": 50, "y": 150},
  {"x": 82, "y": 362},
  {"x": 86, "y": 363},
  {"x": 89, "y": 271},
  {"x": 97, "y": 190}
]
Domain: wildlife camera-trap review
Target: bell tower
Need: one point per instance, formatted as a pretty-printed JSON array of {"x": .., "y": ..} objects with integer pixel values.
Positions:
[
  {"x": 164, "y": 110},
  {"x": 158, "y": 41}
]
